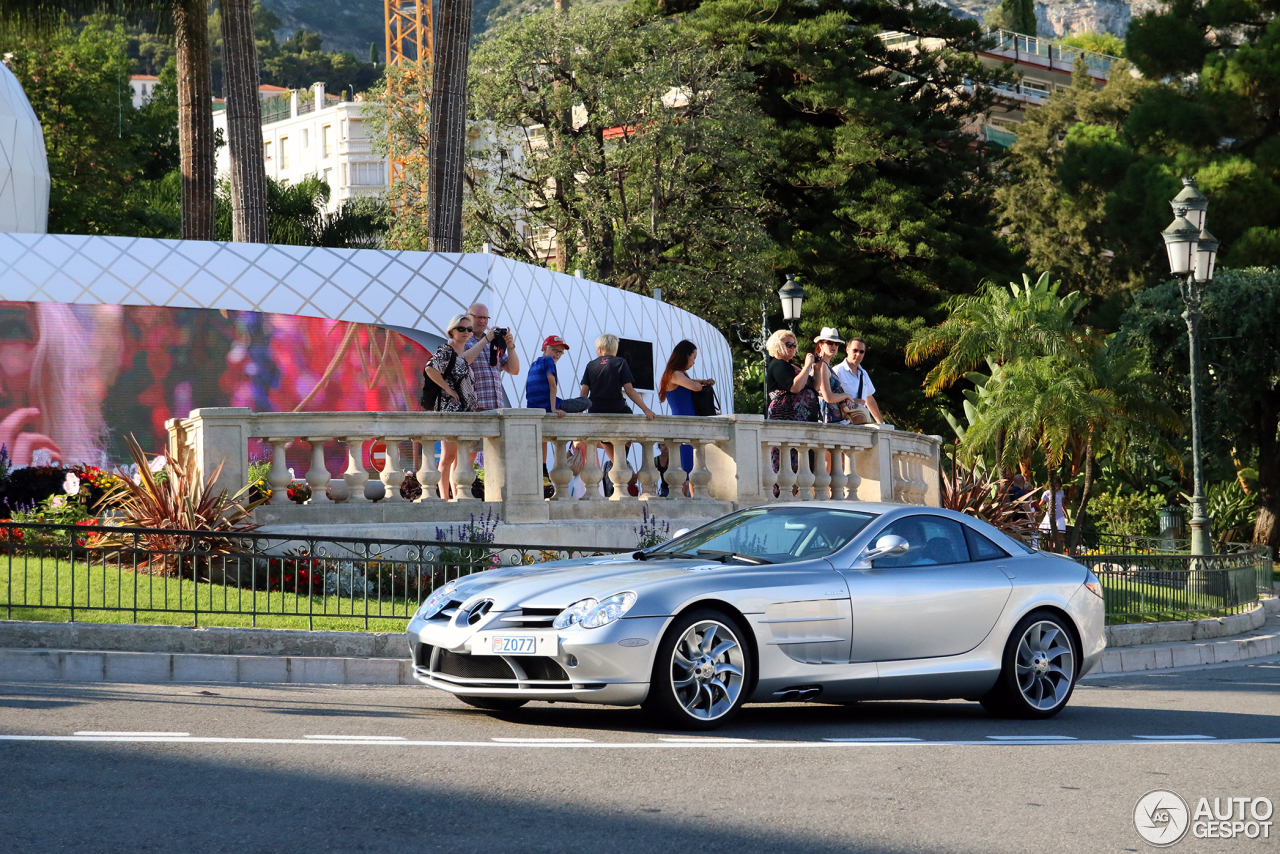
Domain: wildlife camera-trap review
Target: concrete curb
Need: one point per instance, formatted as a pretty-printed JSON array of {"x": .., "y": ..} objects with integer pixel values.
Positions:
[
  {"x": 54, "y": 665},
  {"x": 113, "y": 637},
  {"x": 1258, "y": 643},
  {"x": 1137, "y": 634}
]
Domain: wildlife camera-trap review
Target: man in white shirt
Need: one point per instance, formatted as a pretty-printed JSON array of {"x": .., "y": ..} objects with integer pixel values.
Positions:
[{"x": 854, "y": 378}]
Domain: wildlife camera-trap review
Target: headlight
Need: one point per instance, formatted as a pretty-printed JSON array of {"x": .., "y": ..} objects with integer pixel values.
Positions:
[
  {"x": 574, "y": 613},
  {"x": 1095, "y": 586},
  {"x": 609, "y": 610},
  {"x": 436, "y": 601}
]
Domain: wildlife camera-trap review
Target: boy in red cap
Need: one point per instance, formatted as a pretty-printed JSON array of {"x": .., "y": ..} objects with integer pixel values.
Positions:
[{"x": 542, "y": 383}]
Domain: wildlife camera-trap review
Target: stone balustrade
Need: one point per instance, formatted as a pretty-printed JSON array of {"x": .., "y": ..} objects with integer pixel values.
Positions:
[{"x": 735, "y": 463}]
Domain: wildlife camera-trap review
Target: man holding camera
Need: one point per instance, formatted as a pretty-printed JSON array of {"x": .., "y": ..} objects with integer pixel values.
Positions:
[{"x": 498, "y": 357}]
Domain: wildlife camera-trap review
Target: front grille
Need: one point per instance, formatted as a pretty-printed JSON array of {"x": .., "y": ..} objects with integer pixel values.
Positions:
[
  {"x": 466, "y": 666},
  {"x": 541, "y": 668},
  {"x": 532, "y": 618}
]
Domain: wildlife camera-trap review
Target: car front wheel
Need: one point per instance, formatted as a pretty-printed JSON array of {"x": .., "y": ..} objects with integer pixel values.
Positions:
[
  {"x": 1038, "y": 670},
  {"x": 702, "y": 672}
]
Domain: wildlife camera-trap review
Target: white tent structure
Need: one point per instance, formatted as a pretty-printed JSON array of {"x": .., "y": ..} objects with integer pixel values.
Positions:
[{"x": 24, "y": 169}]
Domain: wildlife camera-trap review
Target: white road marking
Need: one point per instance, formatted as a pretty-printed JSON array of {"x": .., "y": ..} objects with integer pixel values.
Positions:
[
  {"x": 358, "y": 737},
  {"x": 543, "y": 740},
  {"x": 106, "y": 733},
  {"x": 734, "y": 744},
  {"x": 706, "y": 739},
  {"x": 1177, "y": 737},
  {"x": 1033, "y": 737},
  {"x": 889, "y": 740}
]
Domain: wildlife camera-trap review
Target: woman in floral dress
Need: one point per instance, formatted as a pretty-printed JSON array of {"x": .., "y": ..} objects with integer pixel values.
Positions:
[{"x": 457, "y": 387}]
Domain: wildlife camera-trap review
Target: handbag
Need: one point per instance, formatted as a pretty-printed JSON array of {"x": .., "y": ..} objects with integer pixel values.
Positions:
[
  {"x": 855, "y": 411},
  {"x": 430, "y": 391},
  {"x": 705, "y": 402}
]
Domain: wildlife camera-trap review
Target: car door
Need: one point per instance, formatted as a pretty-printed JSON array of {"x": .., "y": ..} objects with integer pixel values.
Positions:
[{"x": 931, "y": 601}]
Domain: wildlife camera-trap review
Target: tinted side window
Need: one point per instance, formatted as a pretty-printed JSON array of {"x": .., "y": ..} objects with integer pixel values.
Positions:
[
  {"x": 932, "y": 540},
  {"x": 980, "y": 548}
]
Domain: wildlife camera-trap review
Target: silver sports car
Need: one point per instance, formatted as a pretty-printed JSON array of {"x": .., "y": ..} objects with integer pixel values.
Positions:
[{"x": 830, "y": 601}]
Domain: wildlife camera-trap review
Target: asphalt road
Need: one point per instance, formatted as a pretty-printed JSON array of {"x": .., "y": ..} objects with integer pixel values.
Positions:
[{"x": 182, "y": 768}]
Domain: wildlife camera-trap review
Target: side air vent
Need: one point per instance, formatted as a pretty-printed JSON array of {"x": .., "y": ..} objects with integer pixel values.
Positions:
[{"x": 798, "y": 694}]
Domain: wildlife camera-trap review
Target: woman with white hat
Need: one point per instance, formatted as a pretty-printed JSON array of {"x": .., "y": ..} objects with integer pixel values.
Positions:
[
  {"x": 829, "y": 389},
  {"x": 450, "y": 368}
]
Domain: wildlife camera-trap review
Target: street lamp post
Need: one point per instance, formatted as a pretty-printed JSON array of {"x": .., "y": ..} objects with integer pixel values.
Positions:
[
  {"x": 792, "y": 297},
  {"x": 1192, "y": 251}
]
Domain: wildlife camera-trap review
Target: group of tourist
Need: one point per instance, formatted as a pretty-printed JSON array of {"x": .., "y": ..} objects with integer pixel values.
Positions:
[
  {"x": 813, "y": 390},
  {"x": 468, "y": 369}
]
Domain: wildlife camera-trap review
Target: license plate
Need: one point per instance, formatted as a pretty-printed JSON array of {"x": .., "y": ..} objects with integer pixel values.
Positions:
[
  {"x": 505, "y": 645},
  {"x": 530, "y": 643}
]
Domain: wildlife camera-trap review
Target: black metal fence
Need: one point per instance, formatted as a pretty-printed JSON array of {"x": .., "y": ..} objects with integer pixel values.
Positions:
[
  {"x": 95, "y": 572},
  {"x": 1162, "y": 586}
]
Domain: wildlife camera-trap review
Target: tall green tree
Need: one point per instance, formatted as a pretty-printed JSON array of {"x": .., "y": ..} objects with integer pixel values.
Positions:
[
  {"x": 633, "y": 146},
  {"x": 76, "y": 84},
  {"x": 882, "y": 203},
  {"x": 1242, "y": 390},
  {"x": 1226, "y": 55}
]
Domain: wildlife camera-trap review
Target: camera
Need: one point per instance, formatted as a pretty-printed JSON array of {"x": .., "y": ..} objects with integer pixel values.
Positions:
[{"x": 499, "y": 344}]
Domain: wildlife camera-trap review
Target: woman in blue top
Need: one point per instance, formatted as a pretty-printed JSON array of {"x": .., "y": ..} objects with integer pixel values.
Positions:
[{"x": 677, "y": 388}]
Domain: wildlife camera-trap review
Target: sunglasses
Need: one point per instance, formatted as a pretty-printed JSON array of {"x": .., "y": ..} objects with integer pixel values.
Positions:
[
  {"x": 462, "y": 329},
  {"x": 789, "y": 344},
  {"x": 857, "y": 351}
]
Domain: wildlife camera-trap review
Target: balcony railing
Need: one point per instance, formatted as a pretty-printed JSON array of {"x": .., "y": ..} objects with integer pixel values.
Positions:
[
  {"x": 737, "y": 460},
  {"x": 1054, "y": 55}
]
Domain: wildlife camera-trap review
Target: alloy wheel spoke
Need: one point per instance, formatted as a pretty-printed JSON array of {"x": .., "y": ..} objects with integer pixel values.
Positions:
[
  {"x": 709, "y": 639},
  {"x": 729, "y": 668},
  {"x": 723, "y": 647}
]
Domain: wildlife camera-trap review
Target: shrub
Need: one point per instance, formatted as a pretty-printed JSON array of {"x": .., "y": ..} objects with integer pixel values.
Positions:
[
  {"x": 180, "y": 499},
  {"x": 1129, "y": 514},
  {"x": 652, "y": 531}
]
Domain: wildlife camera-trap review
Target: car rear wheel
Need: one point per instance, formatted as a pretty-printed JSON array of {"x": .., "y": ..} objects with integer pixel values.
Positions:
[
  {"x": 1038, "y": 670},
  {"x": 701, "y": 673},
  {"x": 492, "y": 704}
]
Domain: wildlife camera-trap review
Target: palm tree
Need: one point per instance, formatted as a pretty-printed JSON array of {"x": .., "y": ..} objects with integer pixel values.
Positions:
[
  {"x": 447, "y": 128},
  {"x": 1101, "y": 398},
  {"x": 1001, "y": 325},
  {"x": 244, "y": 123},
  {"x": 296, "y": 217}
]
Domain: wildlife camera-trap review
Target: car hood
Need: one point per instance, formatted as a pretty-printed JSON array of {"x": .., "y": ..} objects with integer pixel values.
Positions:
[{"x": 561, "y": 583}]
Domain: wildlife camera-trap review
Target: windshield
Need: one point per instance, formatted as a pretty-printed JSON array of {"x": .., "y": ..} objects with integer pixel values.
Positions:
[{"x": 774, "y": 534}]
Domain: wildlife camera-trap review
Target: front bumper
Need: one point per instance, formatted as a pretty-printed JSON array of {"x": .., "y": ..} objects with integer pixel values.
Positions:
[{"x": 590, "y": 665}]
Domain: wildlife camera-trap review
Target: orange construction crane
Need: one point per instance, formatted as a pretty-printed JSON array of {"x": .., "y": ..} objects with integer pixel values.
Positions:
[{"x": 409, "y": 45}]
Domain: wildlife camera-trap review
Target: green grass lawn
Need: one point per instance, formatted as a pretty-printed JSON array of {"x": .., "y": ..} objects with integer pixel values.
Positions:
[
  {"x": 1151, "y": 603},
  {"x": 35, "y": 588}
]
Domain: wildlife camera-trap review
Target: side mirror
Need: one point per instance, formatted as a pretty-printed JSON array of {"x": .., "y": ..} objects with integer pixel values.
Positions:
[
  {"x": 889, "y": 545},
  {"x": 678, "y": 534}
]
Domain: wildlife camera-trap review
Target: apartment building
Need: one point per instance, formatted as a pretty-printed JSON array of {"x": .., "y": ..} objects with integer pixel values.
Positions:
[
  {"x": 307, "y": 132},
  {"x": 1042, "y": 65}
]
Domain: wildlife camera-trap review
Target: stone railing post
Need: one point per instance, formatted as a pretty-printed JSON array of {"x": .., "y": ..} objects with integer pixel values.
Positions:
[
  {"x": 215, "y": 435},
  {"x": 738, "y": 465},
  {"x": 875, "y": 467},
  {"x": 513, "y": 466}
]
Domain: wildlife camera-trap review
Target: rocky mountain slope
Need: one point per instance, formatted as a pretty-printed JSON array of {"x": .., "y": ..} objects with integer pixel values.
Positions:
[{"x": 354, "y": 24}]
